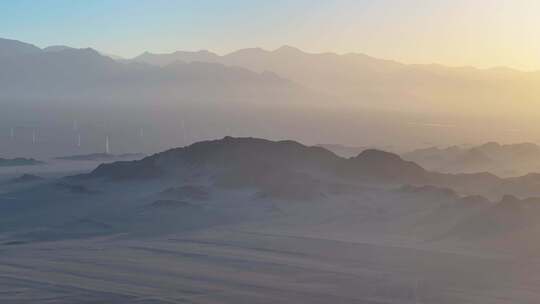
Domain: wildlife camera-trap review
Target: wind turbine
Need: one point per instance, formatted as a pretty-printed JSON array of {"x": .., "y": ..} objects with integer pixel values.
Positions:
[
  {"x": 107, "y": 149},
  {"x": 416, "y": 285}
]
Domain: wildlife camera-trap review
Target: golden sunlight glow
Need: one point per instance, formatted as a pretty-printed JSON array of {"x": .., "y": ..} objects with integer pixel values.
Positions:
[{"x": 485, "y": 34}]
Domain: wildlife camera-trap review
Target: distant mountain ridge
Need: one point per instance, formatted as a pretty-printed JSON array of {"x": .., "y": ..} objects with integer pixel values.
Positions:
[
  {"x": 503, "y": 160},
  {"x": 63, "y": 73},
  {"x": 57, "y": 48},
  {"x": 361, "y": 79},
  {"x": 350, "y": 79},
  {"x": 279, "y": 94},
  {"x": 10, "y": 47},
  {"x": 342, "y": 150}
]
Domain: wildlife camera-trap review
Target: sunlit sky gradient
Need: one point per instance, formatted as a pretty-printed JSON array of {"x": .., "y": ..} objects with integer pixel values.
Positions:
[{"x": 483, "y": 33}]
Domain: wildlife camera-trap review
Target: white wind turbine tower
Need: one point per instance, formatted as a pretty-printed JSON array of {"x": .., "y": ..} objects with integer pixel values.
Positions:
[
  {"x": 34, "y": 136},
  {"x": 416, "y": 285},
  {"x": 107, "y": 149},
  {"x": 79, "y": 140},
  {"x": 141, "y": 137}
]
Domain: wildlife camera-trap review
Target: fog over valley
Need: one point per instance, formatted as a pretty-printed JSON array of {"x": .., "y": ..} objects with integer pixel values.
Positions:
[{"x": 252, "y": 217}]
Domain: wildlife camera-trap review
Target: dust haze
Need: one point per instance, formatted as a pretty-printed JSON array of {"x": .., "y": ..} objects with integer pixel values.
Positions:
[{"x": 264, "y": 176}]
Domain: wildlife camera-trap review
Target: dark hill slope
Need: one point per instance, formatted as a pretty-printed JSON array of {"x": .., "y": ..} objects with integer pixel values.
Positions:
[{"x": 244, "y": 161}]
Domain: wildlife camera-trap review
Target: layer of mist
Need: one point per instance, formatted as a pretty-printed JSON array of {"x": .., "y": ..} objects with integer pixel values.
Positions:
[{"x": 244, "y": 219}]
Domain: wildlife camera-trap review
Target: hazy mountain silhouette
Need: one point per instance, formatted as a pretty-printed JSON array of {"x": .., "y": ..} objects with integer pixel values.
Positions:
[
  {"x": 62, "y": 73},
  {"x": 376, "y": 189},
  {"x": 231, "y": 156},
  {"x": 10, "y": 47},
  {"x": 248, "y": 161},
  {"x": 342, "y": 150},
  {"x": 383, "y": 166},
  {"x": 253, "y": 156},
  {"x": 57, "y": 48},
  {"x": 285, "y": 93},
  {"x": 361, "y": 79},
  {"x": 503, "y": 160},
  {"x": 277, "y": 201},
  {"x": 179, "y": 56}
]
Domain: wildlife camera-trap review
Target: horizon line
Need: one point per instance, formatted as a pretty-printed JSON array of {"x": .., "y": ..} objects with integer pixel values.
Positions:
[{"x": 289, "y": 46}]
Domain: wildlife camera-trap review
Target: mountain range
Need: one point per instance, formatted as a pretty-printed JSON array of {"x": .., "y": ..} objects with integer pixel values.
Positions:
[
  {"x": 249, "y": 160},
  {"x": 221, "y": 206},
  {"x": 253, "y": 212},
  {"x": 284, "y": 93},
  {"x": 239, "y": 179},
  {"x": 354, "y": 79},
  {"x": 504, "y": 160},
  {"x": 363, "y": 80},
  {"x": 478, "y": 207},
  {"x": 71, "y": 75}
]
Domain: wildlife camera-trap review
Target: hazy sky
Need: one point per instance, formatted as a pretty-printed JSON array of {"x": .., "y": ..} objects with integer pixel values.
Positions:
[{"x": 481, "y": 33}]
